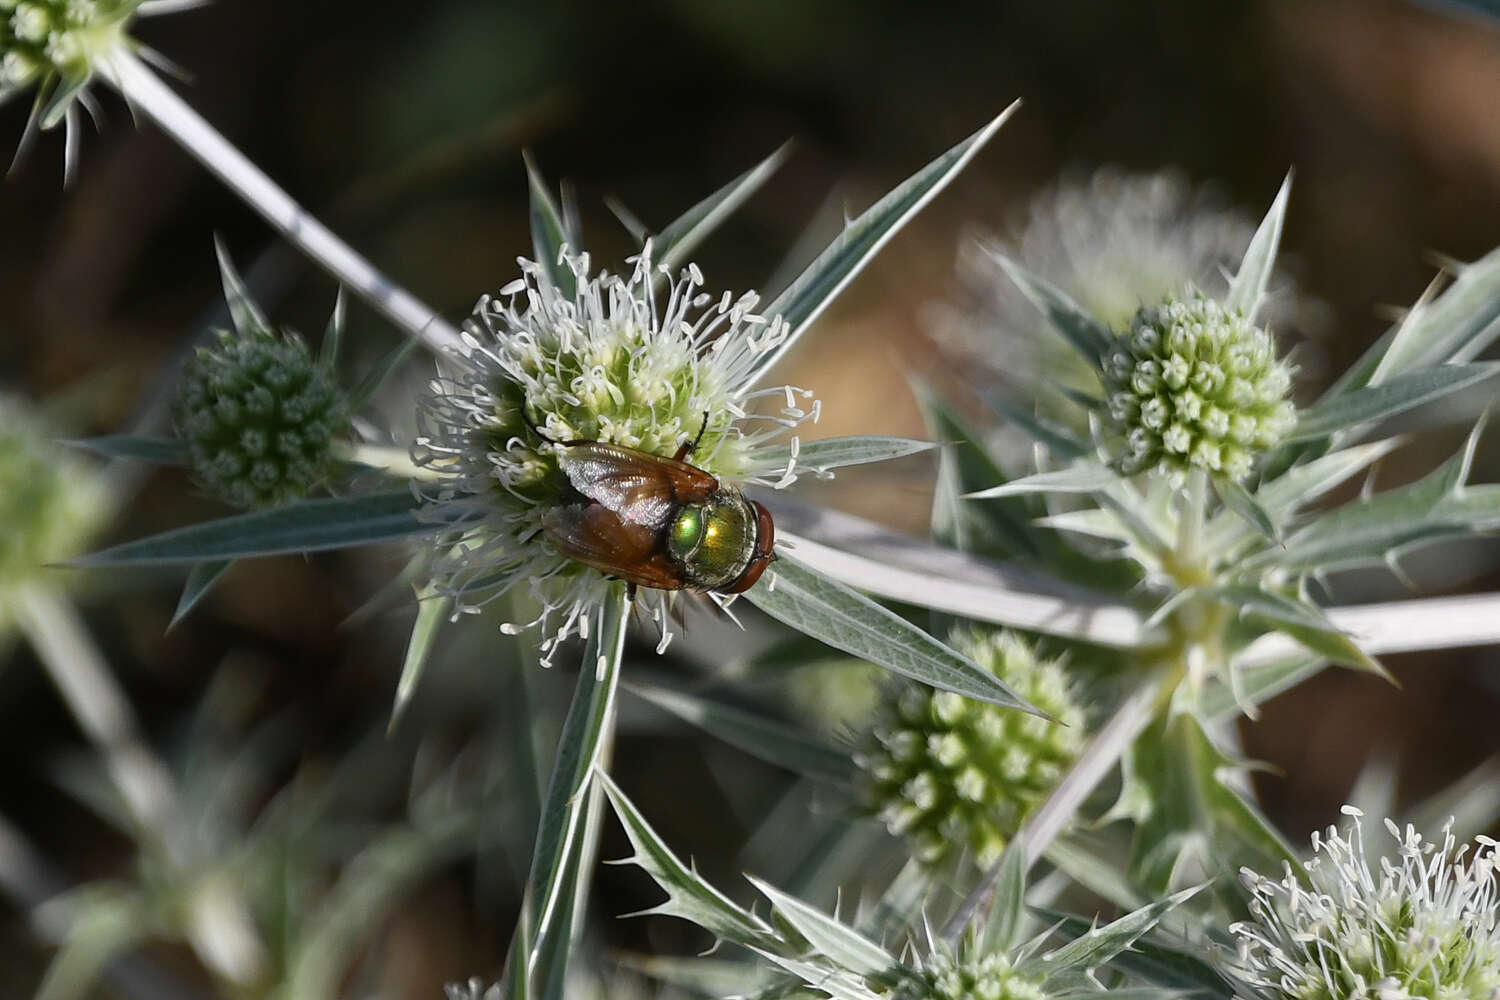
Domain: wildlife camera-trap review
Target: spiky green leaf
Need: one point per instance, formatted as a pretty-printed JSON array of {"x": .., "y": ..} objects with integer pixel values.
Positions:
[
  {"x": 200, "y": 580},
  {"x": 243, "y": 311},
  {"x": 549, "y": 232},
  {"x": 679, "y": 238},
  {"x": 1248, "y": 289},
  {"x": 432, "y": 609},
  {"x": 1072, "y": 965},
  {"x": 1396, "y": 395},
  {"x": 158, "y": 451},
  {"x": 1083, "y": 332},
  {"x": 829, "y": 938},
  {"x": 838, "y": 452}
]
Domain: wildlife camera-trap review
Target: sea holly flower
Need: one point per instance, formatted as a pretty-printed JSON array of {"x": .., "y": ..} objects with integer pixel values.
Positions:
[
  {"x": 1424, "y": 923},
  {"x": 949, "y": 974},
  {"x": 1192, "y": 384},
  {"x": 949, "y": 773},
  {"x": 617, "y": 360}
]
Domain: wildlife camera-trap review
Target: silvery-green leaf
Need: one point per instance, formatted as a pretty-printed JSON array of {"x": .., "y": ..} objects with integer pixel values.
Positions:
[
  {"x": 835, "y": 453},
  {"x": 679, "y": 238},
  {"x": 1083, "y": 477},
  {"x": 1336, "y": 647},
  {"x": 549, "y": 233},
  {"x": 1166, "y": 966},
  {"x": 770, "y": 741},
  {"x": 1397, "y": 394},
  {"x": 1257, "y": 684},
  {"x": 158, "y": 451},
  {"x": 1252, "y": 600},
  {"x": 1244, "y": 506},
  {"x": 200, "y": 579},
  {"x": 1248, "y": 289},
  {"x": 56, "y": 104},
  {"x": 305, "y": 526},
  {"x": 830, "y": 938},
  {"x": 432, "y": 608},
  {"x": 557, "y": 947},
  {"x": 1455, "y": 325},
  {"x": 243, "y": 311},
  {"x": 103, "y": 925},
  {"x": 811, "y": 292},
  {"x": 689, "y": 896},
  {"x": 844, "y": 619},
  {"x": 1472, "y": 803},
  {"x": 333, "y": 333},
  {"x": 836, "y": 983},
  {"x": 1083, "y": 332},
  {"x": 1477, "y": 507},
  {"x": 578, "y": 748},
  {"x": 1081, "y": 860},
  {"x": 361, "y": 393},
  {"x": 701, "y": 975},
  {"x": 1070, "y": 966},
  {"x": 515, "y": 981},
  {"x": 1061, "y": 442},
  {"x": 1002, "y": 931}
]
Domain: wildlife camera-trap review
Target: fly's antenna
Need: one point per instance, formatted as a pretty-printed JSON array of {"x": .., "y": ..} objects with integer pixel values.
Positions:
[{"x": 702, "y": 428}]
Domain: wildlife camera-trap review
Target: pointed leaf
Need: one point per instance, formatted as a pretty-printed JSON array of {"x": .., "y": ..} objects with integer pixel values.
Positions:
[
  {"x": 360, "y": 394},
  {"x": 1248, "y": 289},
  {"x": 838, "y": 452},
  {"x": 1453, "y": 326},
  {"x": 306, "y": 526},
  {"x": 1245, "y": 507},
  {"x": 1084, "y": 477},
  {"x": 243, "y": 311},
  {"x": 676, "y": 242},
  {"x": 689, "y": 895},
  {"x": 1165, "y": 966},
  {"x": 158, "y": 451},
  {"x": 578, "y": 749},
  {"x": 548, "y": 232},
  {"x": 432, "y": 608},
  {"x": 1061, "y": 442},
  {"x": 829, "y": 611},
  {"x": 1069, "y": 967},
  {"x": 333, "y": 333},
  {"x": 1002, "y": 930},
  {"x": 1396, "y": 395},
  {"x": 1083, "y": 332},
  {"x": 200, "y": 579},
  {"x": 811, "y": 292},
  {"x": 829, "y": 938},
  {"x": 773, "y": 742},
  {"x": 101, "y": 930}
]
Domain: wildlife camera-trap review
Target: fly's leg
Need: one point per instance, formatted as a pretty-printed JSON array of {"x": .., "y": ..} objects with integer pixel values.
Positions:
[{"x": 688, "y": 447}]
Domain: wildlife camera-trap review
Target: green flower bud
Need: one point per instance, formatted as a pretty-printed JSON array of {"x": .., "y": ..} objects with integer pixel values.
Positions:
[
  {"x": 948, "y": 772},
  {"x": 945, "y": 976},
  {"x": 259, "y": 416},
  {"x": 1191, "y": 384},
  {"x": 58, "y": 44}
]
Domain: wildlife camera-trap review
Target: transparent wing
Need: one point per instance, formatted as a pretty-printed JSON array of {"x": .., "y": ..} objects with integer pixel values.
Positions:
[{"x": 642, "y": 488}]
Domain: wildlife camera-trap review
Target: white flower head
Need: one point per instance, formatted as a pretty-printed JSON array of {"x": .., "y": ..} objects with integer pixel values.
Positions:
[
  {"x": 1425, "y": 923},
  {"x": 647, "y": 360}
]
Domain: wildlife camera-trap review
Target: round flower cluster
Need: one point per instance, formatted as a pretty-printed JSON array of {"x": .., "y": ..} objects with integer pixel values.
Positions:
[
  {"x": 1192, "y": 384},
  {"x": 40, "y": 38},
  {"x": 1426, "y": 924},
  {"x": 51, "y": 503},
  {"x": 646, "y": 360},
  {"x": 259, "y": 416},
  {"x": 989, "y": 977},
  {"x": 946, "y": 772}
]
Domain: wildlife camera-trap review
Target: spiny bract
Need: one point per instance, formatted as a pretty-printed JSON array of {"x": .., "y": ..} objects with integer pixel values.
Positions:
[
  {"x": 947, "y": 772},
  {"x": 986, "y": 977}
]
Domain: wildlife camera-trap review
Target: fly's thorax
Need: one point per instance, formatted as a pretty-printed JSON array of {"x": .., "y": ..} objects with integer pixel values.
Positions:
[{"x": 714, "y": 541}]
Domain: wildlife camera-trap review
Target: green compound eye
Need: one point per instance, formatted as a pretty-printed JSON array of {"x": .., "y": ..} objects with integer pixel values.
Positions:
[{"x": 687, "y": 531}]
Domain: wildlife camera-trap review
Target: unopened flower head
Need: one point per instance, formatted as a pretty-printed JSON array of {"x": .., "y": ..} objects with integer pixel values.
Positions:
[
  {"x": 1425, "y": 923},
  {"x": 645, "y": 359},
  {"x": 51, "y": 501},
  {"x": 947, "y": 772},
  {"x": 969, "y": 975},
  {"x": 260, "y": 417},
  {"x": 1192, "y": 384},
  {"x": 58, "y": 45}
]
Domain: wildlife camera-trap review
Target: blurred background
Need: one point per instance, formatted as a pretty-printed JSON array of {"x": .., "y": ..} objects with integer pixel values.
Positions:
[{"x": 402, "y": 125}]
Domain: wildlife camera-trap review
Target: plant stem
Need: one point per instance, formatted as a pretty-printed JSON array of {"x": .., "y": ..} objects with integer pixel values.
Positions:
[
  {"x": 158, "y": 102},
  {"x": 1052, "y": 817},
  {"x": 1190, "y": 522}
]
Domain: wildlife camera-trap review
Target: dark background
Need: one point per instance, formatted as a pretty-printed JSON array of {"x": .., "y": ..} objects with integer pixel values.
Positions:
[{"x": 402, "y": 125}]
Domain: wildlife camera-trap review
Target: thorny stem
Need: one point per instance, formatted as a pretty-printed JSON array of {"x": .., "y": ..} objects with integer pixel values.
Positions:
[
  {"x": 1052, "y": 817},
  {"x": 148, "y": 94},
  {"x": 221, "y": 930}
]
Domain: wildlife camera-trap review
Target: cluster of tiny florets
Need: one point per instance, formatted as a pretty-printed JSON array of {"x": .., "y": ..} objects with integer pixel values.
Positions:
[
  {"x": 947, "y": 772},
  {"x": 259, "y": 416},
  {"x": 1424, "y": 924},
  {"x": 51, "y": 502},
  {"x": 39, "y": 38},
  {"x": 644, "y": 359},
  {"x": 991, "y": 976},
  {"x": 1194, "y": 385}
]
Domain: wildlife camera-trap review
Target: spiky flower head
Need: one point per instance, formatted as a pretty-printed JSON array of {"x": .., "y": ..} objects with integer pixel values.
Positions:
[
  {"x": 51, "y": 501},
  {"x": 969, "y": 974},
  {"x": 645, "y": 359},
  {"x": 1423, "y": 924},
  {"x": 57, "y": 45},
  {"x": 947, "y": 772},
  {"x": 260, "y": 416},
  {"x": 1193, "y": 384}
]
